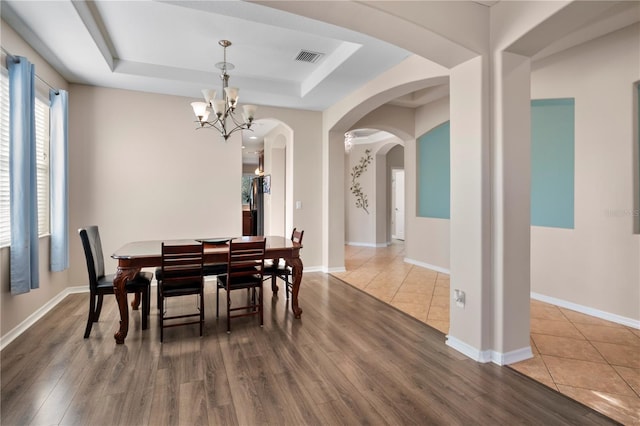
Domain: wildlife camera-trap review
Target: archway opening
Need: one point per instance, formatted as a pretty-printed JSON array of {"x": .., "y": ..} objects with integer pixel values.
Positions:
[
  {"x": 372, "y": 207},
  {"x": 267, "y": 186}
]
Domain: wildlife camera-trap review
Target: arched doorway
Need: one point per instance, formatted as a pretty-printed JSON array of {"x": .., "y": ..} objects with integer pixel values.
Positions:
[
  {"x": 267, "y": 155},
  {"x": 369, "y": 161}
]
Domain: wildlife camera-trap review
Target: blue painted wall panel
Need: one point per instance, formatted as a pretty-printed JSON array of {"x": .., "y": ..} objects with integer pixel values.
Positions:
[
  {"x": 552, "y": 162},
  {"x": 434, "y": 173}
]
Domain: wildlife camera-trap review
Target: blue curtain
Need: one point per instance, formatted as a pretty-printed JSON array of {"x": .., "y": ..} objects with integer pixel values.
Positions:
[
  {"x": 59, "y": 172},
  {"x": 23, "y": 177}
]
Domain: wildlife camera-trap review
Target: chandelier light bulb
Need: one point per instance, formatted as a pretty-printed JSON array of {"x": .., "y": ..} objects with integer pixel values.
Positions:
[
  {"x": 218, "y": 106},
  {"x": 199, "y": 109},
  {"x": 232, "y": 95},
  {"x": 249, "y": 112},
  {"x": 209, "y": 95}
]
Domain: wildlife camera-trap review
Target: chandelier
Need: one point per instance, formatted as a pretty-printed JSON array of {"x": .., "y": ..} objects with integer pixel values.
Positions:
[
  {"x": 224, "y": 120},
  {"x": 348, "y": 141}
]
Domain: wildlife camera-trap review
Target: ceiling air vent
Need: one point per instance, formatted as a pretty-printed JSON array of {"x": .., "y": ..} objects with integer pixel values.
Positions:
[{"x": 308, "y": 56}]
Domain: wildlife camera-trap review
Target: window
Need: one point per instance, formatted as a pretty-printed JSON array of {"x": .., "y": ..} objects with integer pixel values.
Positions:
[
  {"x": 247, "y": 188},
  {"x": 42, "y": 163}
]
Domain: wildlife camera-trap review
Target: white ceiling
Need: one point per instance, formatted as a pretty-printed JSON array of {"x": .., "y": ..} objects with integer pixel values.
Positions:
[{"x": 171, "y": 47}]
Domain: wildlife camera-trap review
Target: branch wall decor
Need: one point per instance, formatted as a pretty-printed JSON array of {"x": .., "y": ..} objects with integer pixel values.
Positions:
[{"x": 356, "y": 188}]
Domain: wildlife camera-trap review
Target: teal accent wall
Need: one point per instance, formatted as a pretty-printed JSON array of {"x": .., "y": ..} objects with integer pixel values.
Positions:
[
  {"x": 552, "y": 162},
  {"x": 434, "y": 173}
]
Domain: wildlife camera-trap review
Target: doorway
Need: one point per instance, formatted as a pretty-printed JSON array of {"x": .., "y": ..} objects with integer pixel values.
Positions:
[{"x": 397, "y": 204}]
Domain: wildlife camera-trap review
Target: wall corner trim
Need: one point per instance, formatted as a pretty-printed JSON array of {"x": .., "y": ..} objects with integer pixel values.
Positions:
[{"x": 34, "y": 317}]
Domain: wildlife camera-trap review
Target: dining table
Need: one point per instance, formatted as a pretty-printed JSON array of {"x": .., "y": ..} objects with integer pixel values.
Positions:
[{"x": 134, "y": 256}]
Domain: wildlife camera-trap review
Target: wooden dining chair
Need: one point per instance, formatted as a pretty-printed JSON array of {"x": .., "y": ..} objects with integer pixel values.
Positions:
[
  {"x": 207, "y": 271},
  {"x": 279, "y": 269},
  {"x": 101, "y": 284},
  {"x": 182, "y": 275},
  {"x": 245, "y": 270}
]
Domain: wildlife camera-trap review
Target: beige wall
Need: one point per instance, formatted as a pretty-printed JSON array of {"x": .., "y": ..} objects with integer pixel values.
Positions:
[
  {"x": 595, "y": 264},
  {"x": 303, "y": 184},
  {"x": 360, "y": 226},
  {"x": 372, "y": 228},
  {"x": 141, "y": 171},
  {"x": 15, "y": 309},
  {"x": 432, "y": 247}
]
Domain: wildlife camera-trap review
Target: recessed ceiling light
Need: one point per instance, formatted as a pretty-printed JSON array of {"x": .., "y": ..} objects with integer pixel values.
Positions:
[
  {"x": 253, "y": 137},
  {"x": 243, "y": 147}
]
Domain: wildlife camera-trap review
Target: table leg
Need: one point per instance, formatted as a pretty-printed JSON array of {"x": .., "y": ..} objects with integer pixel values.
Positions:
[
  {"x": 296, "y": 266},
  {"x": 119, "y": 284}
]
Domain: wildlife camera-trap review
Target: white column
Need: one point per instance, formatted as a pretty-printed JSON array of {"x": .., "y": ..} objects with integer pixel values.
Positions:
[
  {"x": 333, "y": 201},
  {"x": 490, "y": 208},
  {"x": 511, "y": 206},
  {"x": 470, "y": 260}
]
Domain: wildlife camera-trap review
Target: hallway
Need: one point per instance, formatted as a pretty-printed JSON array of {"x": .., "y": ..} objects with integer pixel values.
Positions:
[{"x": 593, "y": 361}]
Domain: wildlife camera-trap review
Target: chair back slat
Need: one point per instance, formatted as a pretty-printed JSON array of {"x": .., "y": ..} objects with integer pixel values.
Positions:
[
  {"x": 181, "y": 274},
  {"x": 246, "y": 259},
  {"x": 182, "y": 263}
]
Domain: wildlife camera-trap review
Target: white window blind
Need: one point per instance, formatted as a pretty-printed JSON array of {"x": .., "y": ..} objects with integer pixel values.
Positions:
[
  {"x": 42, "y": 163},
  {"x": 5, "y": 222}
]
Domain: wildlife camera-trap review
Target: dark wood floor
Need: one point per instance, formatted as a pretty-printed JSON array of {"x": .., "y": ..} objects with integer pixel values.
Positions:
[{"x": 351, "y": 360}]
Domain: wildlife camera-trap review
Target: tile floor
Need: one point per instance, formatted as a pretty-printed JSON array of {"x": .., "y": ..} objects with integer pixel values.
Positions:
[{"x": 593, "y": 361}]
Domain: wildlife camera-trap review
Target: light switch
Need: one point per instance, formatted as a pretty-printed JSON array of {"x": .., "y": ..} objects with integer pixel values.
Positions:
[{"x": 298, "y": 205}]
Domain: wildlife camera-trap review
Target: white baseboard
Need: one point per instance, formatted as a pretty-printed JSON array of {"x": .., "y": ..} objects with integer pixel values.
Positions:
[
  {"x": 313, "y": 269},
  {"x": 374, "y": 245},
  {"x": 619, "y": 319},
  {"x": 332, "y": 270},
  {"x": 489, "y": 355},
  {"x": 512, "y": 356},
  {"x": 428, "y": 266},
  {"x": 31, "y": 319},
  {"x": 468, "y": 350}
]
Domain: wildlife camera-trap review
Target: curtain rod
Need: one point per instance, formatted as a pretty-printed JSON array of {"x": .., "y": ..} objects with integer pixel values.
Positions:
[{"x": 14, "y": 58}]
